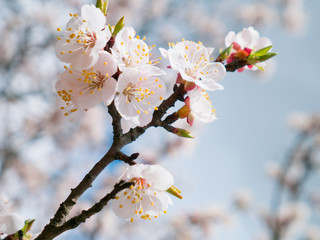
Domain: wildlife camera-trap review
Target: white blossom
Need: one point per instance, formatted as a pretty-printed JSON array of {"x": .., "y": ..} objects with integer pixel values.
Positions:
[
  {"x": 132, "y": 52},
  {"x": 246, "y": 41},
  {"x": 84, "y": 89},
  {"x": 247, "y": 38},
  {"x": 84, "y": 37},
  {"x": 137, "y": 95},
  {"x": 192, "y": 60},
  {"x": 200, "y": 106},
  {"x": 148, "y": 197}
]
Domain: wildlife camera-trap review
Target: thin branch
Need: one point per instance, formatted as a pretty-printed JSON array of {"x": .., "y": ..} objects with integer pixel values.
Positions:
[
  {"x": 85, "y": 214},
  {"x": 127, "y": 159},
  {"x": 236, "y": 64},
  {"x": 66, "y": 206},
  {"x": 116, "y": 122}
]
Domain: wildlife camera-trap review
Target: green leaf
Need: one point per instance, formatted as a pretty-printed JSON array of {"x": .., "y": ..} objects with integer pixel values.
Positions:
[
  {"x": 266, "y": 56},
  {"x": 224, "y": 54},
  {"x": 252, "y": 60},
  {"x": 27, "y": 225},
  {"x": 118, "y": 27},
  {"x": 102, "y": 5},
  {"x": 259, "y": 67},
  {"x": 110, "y": 28},
  {"x": 262, "y": 51}
]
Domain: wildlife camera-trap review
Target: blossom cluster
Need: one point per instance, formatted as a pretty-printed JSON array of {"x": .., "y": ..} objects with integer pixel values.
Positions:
[
  {"x": 99, "y": 72},
  {"x": 112, "y": 65},
  {"x": 115, "y": 67},
  {"x": 243, "y": 43}
]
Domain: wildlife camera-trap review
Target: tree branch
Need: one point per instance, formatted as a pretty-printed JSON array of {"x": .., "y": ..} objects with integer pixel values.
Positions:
[
  {"x": 127, "y": 159},
  {"x": 66, "y": 206},
  {"x": 236, "y": 64},
  {"x": 85, "y": 214}
]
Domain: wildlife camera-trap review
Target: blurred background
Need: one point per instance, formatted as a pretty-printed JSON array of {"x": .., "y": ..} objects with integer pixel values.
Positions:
[{"x": 252, "y": 174}]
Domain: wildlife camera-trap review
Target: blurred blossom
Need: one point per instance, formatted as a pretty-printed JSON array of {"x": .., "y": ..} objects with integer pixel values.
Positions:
[
  {"x": 205, "y": 220},
  {"x": 242, "y": 199},
  {"x": 269, "y": 70},
  {"x": 273, "y": 169},
  {"x": 293, "y": 176},
  {"x": 257, "y": 14},
  {"x": 291, "y": 219},
  {"x": 312, "y": 232},
  {"x": 4, "y": 203},
  {"x": 262, "y": 236},
  {"x": 295, "y": 215},
  {"x": 93, "y": 131},
  {"x": 300, "y": 121},
  {"x": 294, "y": 16}
]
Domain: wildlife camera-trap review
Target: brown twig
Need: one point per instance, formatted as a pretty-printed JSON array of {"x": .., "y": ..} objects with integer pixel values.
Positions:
[{"x": 235, "y": 65}]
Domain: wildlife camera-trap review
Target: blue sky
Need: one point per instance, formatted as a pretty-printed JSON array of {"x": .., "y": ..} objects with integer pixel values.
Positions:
[{"x": 251, "y": 130}]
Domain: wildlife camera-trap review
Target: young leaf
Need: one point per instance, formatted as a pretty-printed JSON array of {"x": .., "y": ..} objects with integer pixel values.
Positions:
[
  {"x": 224, "y": 54},
  {"x": 102, "y": 5},
  {"x": 118, "y": 27},
  {"x": 262, "y": 51}
]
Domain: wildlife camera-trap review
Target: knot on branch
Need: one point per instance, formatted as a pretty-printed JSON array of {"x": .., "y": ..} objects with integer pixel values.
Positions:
[{"x": 127, "y": 159}]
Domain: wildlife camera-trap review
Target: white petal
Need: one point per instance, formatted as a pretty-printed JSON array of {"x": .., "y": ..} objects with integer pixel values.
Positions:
[
  {"x": 262, "y": 43},
  {"x": 106, "y": 64},
  {"x": 125, "y": 109},
  {"x": 230, "y": 38},
  {"x": 247, "y": 37},
  {"x": 13, "y": 223},
  {"x": 123, "y": 207},
  {"x": 108, "y": 91},
  {"x": 102, "y": 38},
  {"x": 152, "y": 204},
  {"x": 164, "y": 53},
  {"x": 134, "y": 171},
  {"x": 93, "y": 16},
  {"x": 214, "y": 73},
  {"x": 158, "y": 177},
  {"x": 201, "y": 107},
  {"x": 210, "y": 50},
  {"x": 126, "y": 125}
]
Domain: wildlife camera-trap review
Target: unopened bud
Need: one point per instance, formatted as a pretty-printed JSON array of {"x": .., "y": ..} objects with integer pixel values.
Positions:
[
  {"x": 182, "y": 133},
  {"x": 175, "y": 192},
  {"x": 188, "y": 86},
  {"x": 183, "y": 112}
]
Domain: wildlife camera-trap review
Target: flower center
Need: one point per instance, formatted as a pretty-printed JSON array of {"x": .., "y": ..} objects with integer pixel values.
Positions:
[
  {"x": 79, "y": 35},
  {"x": 135, "y": 92},
  {"x": 139, "y": 54},
  {"x": 94, "y": 80}
]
